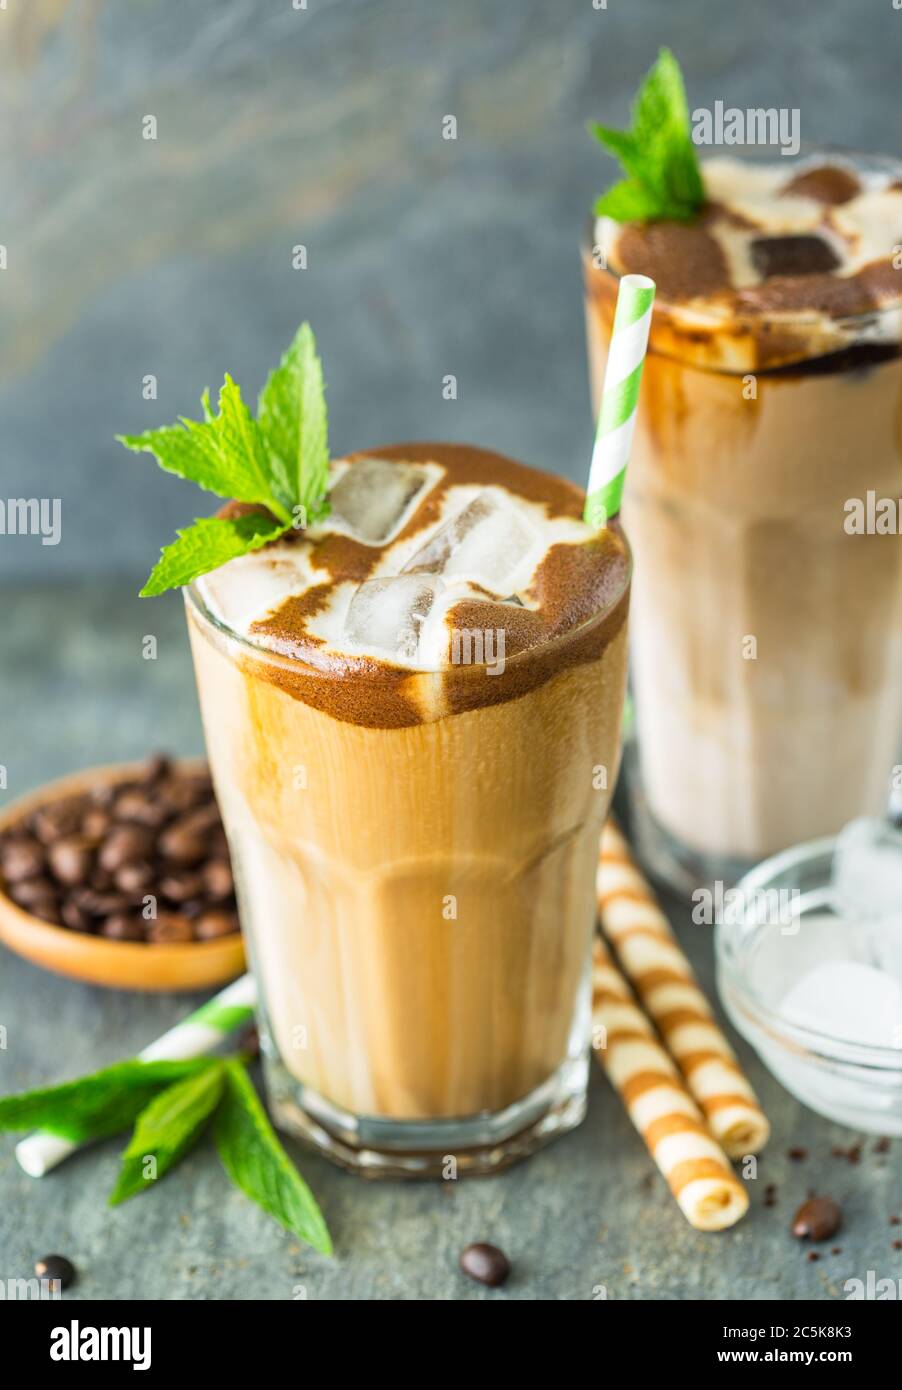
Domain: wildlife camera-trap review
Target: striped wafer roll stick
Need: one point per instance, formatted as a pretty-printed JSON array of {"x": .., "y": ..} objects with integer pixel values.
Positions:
[
  {"x": 697, "y": 1170},
  {"x": 662, "y": 977}
]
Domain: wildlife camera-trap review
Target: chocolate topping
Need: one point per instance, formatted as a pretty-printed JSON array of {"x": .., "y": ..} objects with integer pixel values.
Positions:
[
  {"x": 683, "y": 259},
  {"x": 792, "y": 255},
  {"x": 827, "y": 183}
]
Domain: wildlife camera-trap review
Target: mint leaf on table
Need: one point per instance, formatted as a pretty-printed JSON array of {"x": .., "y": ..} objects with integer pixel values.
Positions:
[
  {"x": 657, "y": 153},
  {"x": 291, "y": 413},
  {"x": 256, "y": 1162},
  {"x": 206, "y": 545},
  {"x": 95, "y": 1106},
  {"x": 280, "y": 461},
  {"x": 169, "y": 1126}
]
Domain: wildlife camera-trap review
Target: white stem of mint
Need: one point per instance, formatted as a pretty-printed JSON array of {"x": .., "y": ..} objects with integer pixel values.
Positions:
[
  {"x": 619, "y": 398},
  {"x": 198, "y": 1034}
]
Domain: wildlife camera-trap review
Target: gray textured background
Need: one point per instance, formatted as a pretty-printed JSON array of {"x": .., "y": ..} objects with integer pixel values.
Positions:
[
  {"x": 323, "y": 127},
  {"x": 426, "y": 257}
]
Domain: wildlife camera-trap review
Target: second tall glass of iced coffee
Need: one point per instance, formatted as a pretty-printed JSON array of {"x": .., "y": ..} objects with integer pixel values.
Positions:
[
  {"x": 412, "y": 713},
  {"x": 767, "y": 603}
]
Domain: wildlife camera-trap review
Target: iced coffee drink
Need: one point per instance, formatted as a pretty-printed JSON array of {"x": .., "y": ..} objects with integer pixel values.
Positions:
[
  {"x": 412, "y": 711},
  {"x": 767, "y": 610}
]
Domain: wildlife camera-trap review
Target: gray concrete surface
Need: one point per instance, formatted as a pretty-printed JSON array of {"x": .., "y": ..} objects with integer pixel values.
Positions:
[
  {"x": 278, "y": 126},
  {"x": 590, "y": 1211}
]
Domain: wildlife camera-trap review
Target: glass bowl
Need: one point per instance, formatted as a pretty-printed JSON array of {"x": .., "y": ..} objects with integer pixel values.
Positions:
[{"x": 781, "y": 925}]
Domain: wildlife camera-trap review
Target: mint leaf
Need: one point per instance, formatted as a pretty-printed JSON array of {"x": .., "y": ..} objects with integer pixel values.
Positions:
[
  {"x": 95, "y": 1106},
  {"x": 627, "y": 201},
  {"x": 172, "y": 1122},
  {"x": 292, "y": 416},
  {"x": 206, "y": 545},
  {"x": 256, "y": 1162},
  {"x": 657, "y": 152},
  {"x": 223, "y": 454}
]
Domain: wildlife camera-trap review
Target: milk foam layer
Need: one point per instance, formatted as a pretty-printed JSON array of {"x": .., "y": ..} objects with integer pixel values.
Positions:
[{"x": 419, "y": 548}]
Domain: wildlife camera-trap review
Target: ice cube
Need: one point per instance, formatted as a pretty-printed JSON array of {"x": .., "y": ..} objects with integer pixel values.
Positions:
[
  {"x": 373, "y": 495},
  {"x": 847, "y": 1000},
  {"x": 488, "y": 542},
  {"x": 386, "y": 616},
  {"x": 867, "y": 870},
  {"x": 867, "y": 891}
]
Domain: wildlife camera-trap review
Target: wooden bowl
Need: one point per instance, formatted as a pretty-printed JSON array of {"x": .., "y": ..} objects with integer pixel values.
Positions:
[{"x": 93, "y": 959}]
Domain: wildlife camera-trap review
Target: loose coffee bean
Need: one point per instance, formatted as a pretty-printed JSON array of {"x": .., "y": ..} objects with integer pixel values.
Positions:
[
  {"x": 486, "y": 1264},
  {"x": 134, "y": 878},
  {"x": 170, "y": 928},
  {"x": 32, "y": 891},
  {"x": 57, "y": 819},
  {"x": 138, "y": 805},
  {"x": 179, "y": 795},
  {"x": 817, "y": 1219},
  {"x": 182, "y": 845},
  {"x": 211, "y": 925},
  {"x": 75, "y": 917},
  {"x": 121, "y": 927},
  {"x": 156, "y": 767},
  {"x": 71, "y": 859},
  {"x": 56, "y": 1267},
  {"x": 202, "y": 819},
  {"x": 21, "y": 858},
  {"x": 100, "y": 904},
  {"x": 95, "y": 824},
  {"x": 47, "y": 912},
  {"x": 217, "y": 844},
  {"x": 124, "y": 845},
  {"x": 217, "y": 879},
  {"x": 181, "y": 885}
]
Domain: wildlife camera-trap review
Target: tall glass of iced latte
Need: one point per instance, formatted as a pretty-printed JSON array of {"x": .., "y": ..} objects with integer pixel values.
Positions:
[
  {"x": 766, "y": 471},
  {"x": 412, "y": 712}
]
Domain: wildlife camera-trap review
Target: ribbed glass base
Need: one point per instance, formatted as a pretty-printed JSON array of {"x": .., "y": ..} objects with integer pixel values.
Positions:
[{"x": 376, "y": 1147}]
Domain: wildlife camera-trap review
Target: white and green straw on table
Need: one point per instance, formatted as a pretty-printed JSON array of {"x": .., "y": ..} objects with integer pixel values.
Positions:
[
  {"x": 198, "y": 1034},
  {"x": 620, "y": 394}
]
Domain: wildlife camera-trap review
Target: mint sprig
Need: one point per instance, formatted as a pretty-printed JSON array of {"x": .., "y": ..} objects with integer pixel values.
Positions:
[
  {"x": 664, "y": 179},
  {"x": 171, "y": 1105},
  {"x": 278, "y": 461}
]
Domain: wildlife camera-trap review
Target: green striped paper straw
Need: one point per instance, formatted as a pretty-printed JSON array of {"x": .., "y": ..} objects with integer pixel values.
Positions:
[
  {"x": 196, "y": 1035},
  {"x": 617, "y": 416}
]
